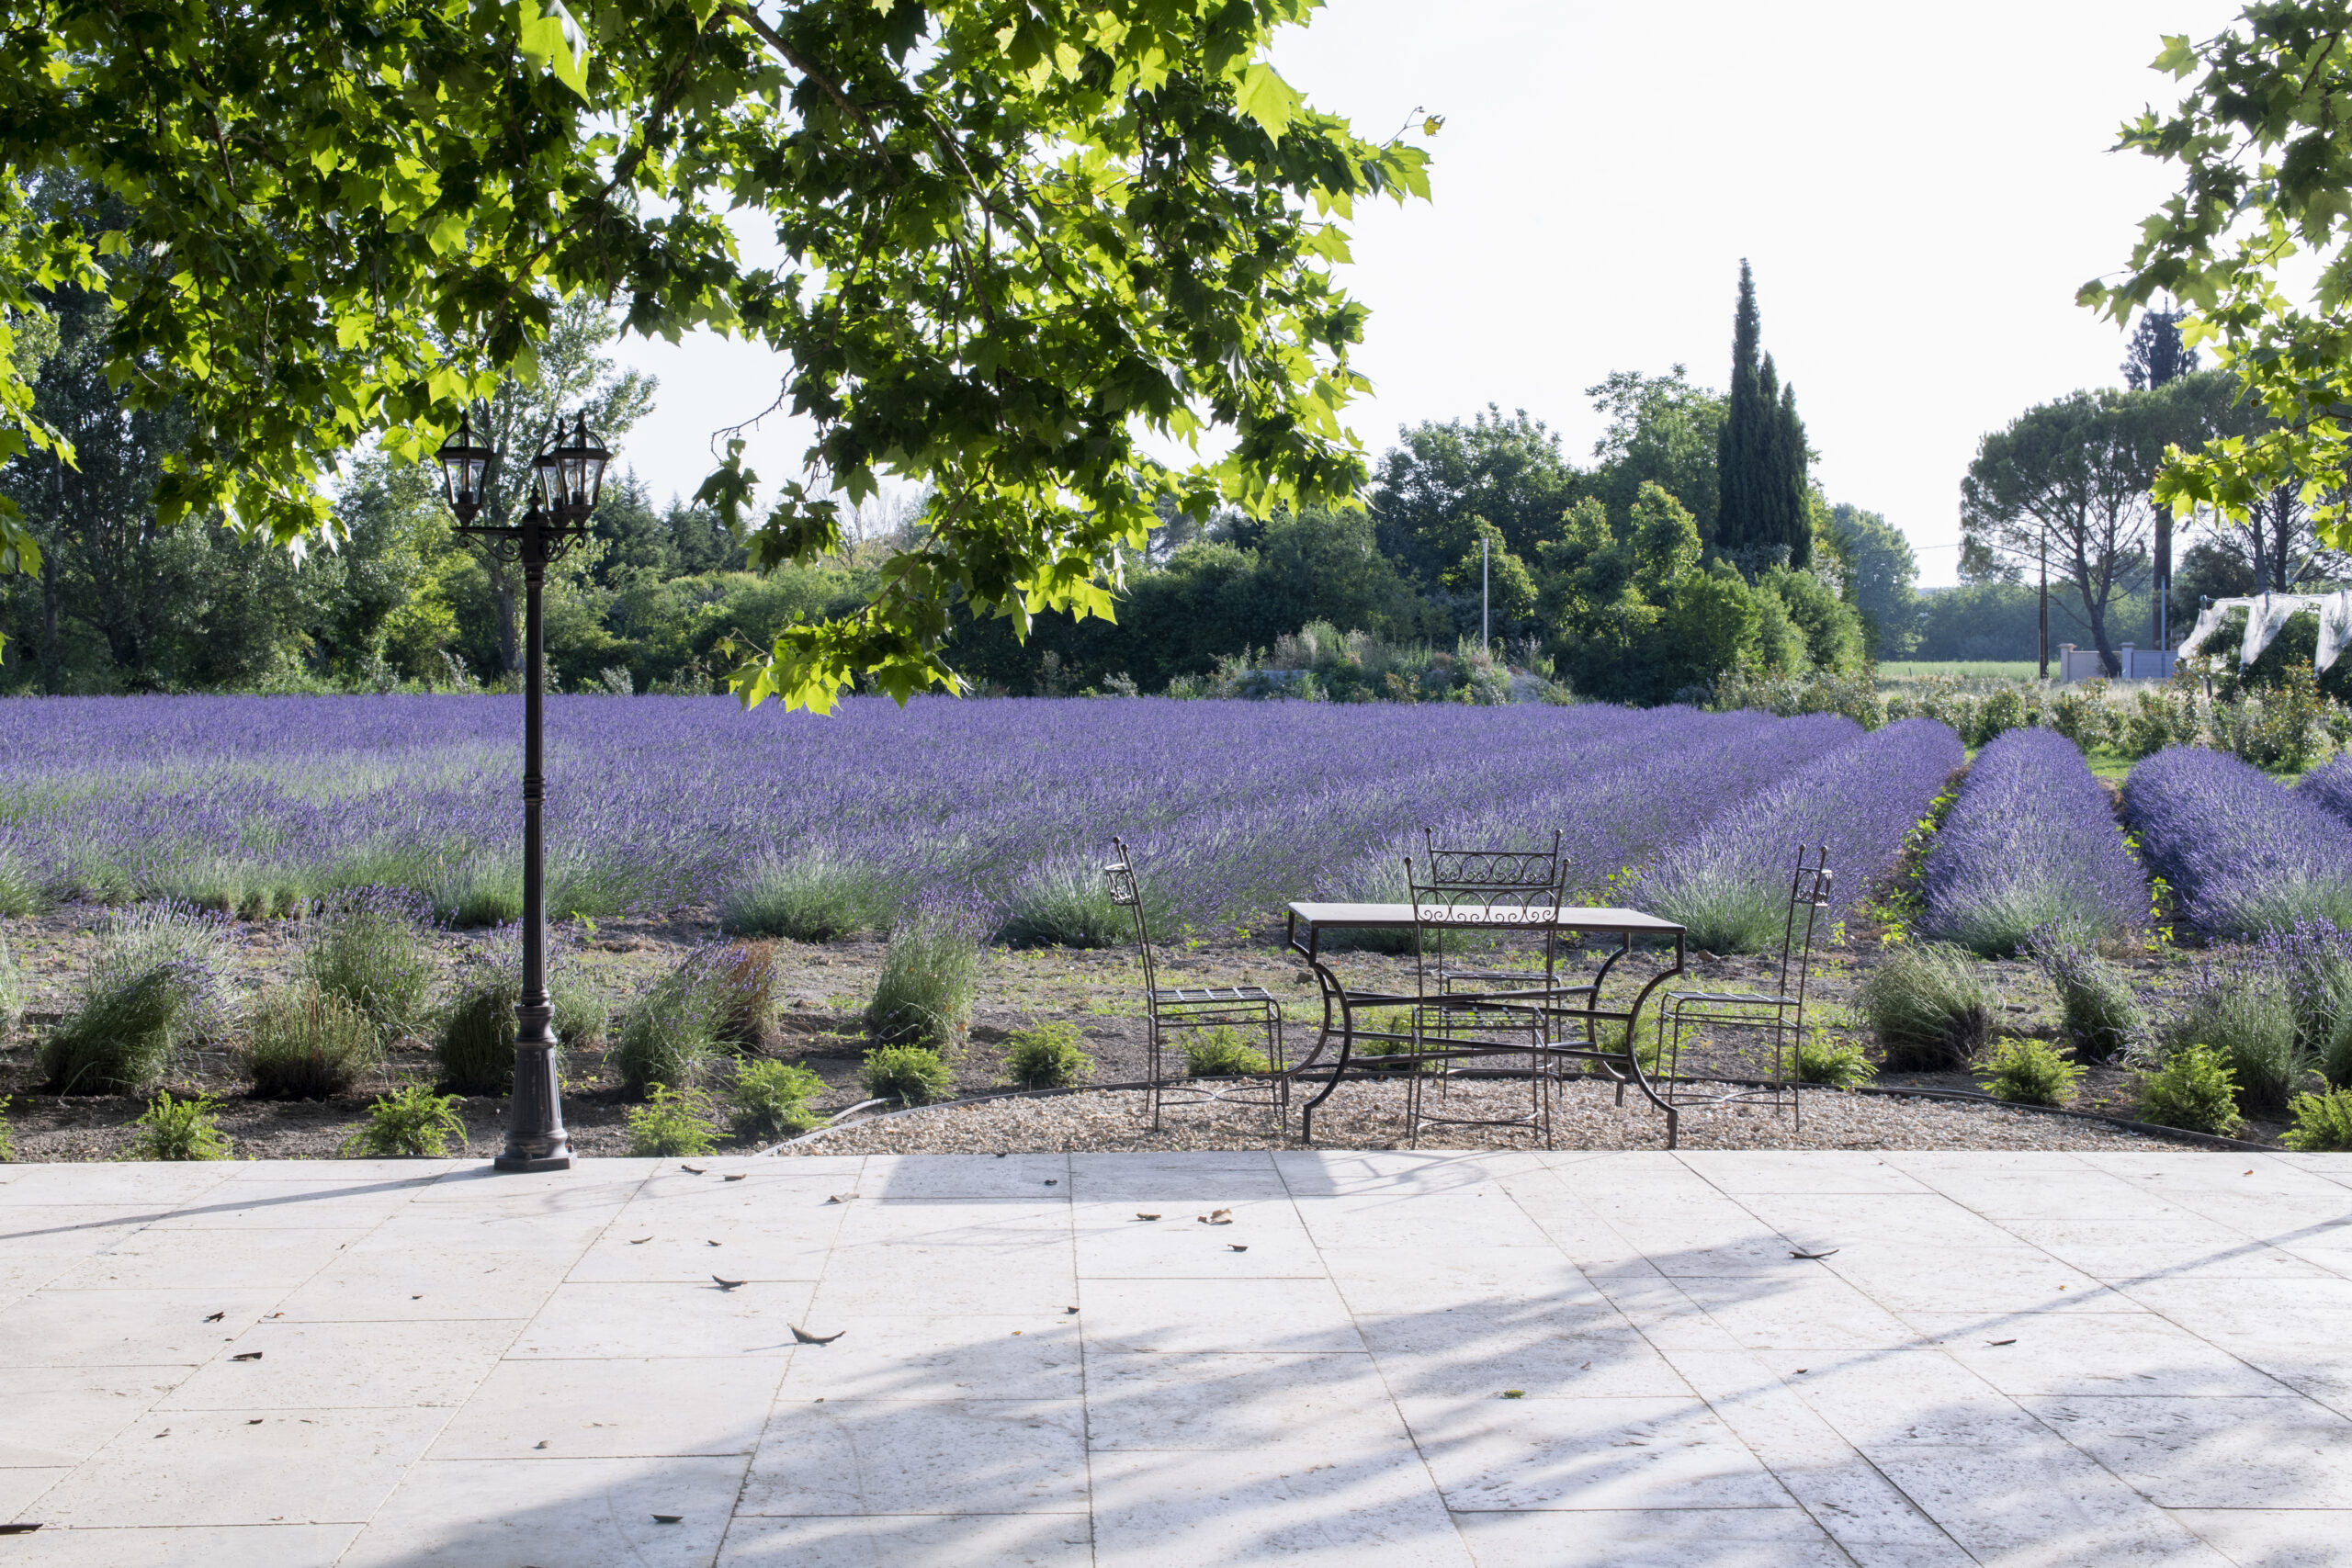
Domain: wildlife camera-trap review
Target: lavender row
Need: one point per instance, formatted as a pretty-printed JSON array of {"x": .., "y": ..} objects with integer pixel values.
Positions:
[
  {"x": 661, "y": 802},
  {"x": 1729, "y": 884},
  {"x": 2032, "y": 843},
  {"x": 2243, "y": 852}
]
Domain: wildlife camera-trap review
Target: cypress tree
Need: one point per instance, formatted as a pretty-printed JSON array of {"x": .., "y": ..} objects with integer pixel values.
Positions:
[
  {"x": 1743, "y": 448},
  {"x": 1790, "y": 475}
]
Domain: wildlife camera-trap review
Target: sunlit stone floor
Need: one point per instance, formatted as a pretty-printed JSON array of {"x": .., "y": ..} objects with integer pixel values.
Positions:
[{"x": 1513, "y": 1361}]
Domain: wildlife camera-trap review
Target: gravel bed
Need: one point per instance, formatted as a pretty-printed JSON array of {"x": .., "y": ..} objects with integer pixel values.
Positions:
[{"x": 1372, "y": 1115}]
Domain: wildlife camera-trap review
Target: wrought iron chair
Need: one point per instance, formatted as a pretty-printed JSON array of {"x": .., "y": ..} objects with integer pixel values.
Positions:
[
  {"x": 1469, "y": 1013},
  {"x": 1697, "y": 1064},
  {"x": 1246, "y": 1010}
]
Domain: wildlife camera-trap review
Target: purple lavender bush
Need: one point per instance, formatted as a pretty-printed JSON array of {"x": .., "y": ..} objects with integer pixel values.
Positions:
[
  {"x": 2242, "y": 854},
  {"x": 157, "y": 983},
  {"x": 1729, "y": 884},
  {"x": 2031, "y": 846},
  {"x": 2330, "y": 785}
]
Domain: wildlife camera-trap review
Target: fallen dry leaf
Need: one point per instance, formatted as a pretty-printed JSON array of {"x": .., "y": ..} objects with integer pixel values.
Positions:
[
  {"x": 246, "y": 1356},
  {"x": 697, "y": 1170},
  {"x": 807, "y": 1338},
  {"x": 740, "y": 1176},
  {"x": 216, "y": 1317},
  {"x": 729, "y": 1284},
  {"x": 1216, "y": 1217}
]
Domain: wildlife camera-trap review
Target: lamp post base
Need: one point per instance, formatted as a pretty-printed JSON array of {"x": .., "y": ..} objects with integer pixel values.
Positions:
[{"x": 532, "y": 1162}]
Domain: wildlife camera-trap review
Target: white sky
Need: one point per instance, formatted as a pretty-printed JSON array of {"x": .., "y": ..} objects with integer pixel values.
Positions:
[{"x": 1920, "y": 189}]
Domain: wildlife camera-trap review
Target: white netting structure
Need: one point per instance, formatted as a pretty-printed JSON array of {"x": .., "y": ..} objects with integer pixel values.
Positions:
[{"x": 2267, "y": 615}]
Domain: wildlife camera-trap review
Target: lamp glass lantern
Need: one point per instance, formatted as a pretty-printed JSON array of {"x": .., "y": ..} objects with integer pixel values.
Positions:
[
  {"x": 573, "y": 467},
  {"x": 463, "y": 462}
]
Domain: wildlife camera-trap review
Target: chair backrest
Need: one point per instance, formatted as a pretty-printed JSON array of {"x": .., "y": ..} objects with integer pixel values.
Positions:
[
  {"x": 1462, "y": 890},
  {"x": 1809, "y": 893},
  {"x": 1128, "y": 894}
]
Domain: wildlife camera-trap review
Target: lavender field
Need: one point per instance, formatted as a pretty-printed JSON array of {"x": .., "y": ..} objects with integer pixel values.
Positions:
[{"x": 253, "y": 804}]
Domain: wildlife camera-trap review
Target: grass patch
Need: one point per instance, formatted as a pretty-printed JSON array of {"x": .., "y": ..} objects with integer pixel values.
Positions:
[
  {"x": 1048, "y": 1057},
  {"x": 924, "y": 994},
  {"x": 1066, "y": 903},
  {"x": 154, "y": 987},
  {"x": 2249, "y": 1020},
  {"x": 1932, "y": 1006},
  {"x": 414, "y": 1121},
  {"x": 815, "y": 895},
  {"x": 367, "y": 948},
  {"x": 304, "y": 1043},
  {"x": 13, "y": 988},
  {"x": 2099, "y": 1014},
  {"x": 179, "y": 1130}
]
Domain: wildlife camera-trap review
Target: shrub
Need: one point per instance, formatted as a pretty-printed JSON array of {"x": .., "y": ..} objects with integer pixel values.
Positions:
[
  {"x": 12, "y": 990},
  {"x": 1048, "y": 1057},
  {"x": 153, "y": 988},
  {"x": 2081, "y": 714},
  {"x": 475, "y": 1044},
  {"x": 1065, "y": 903},
  {"x": 1834, "y": 1063},
  {"x": 2247, "y": 1017},
  {"x": 924, "y": 996},
  {"x": 2001, "y": 712},
  {"x": 2030, "y": 1072},
  {"x": 414, "y": 1121},
  {"x": 912, "y": 1075},
  {"x": 367, "y": 948},
  {"x": 2158, "y": 721},
  {"x": 1221, "y": 1053},
  {"x": 2243, "y": 854},
  {"x": 773, "y": 1097},
  {"x": 1931, "y": 1005},
  {"x": 681, "y": 1022},
  {"x": 2194, "y": 1089},
  {"x": 304, "y": 1043},
  {"x": 815, "y": 895},
  {"x": 2031, "y": 845},
  {"x": 671, "y": 1123},
  {"x": 2101, "y": 1015},
  {"x": 179, "y": 1129},
  {"x": 2323, "y": 1123},
  {"x": 8, "y": 1133}
]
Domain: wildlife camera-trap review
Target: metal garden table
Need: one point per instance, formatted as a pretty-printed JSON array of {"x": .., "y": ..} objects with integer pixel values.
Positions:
[{"x": 1308, "y": 921}]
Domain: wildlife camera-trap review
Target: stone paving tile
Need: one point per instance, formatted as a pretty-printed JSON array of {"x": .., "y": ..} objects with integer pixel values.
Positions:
[
  {"x": 1655, "y": 1538},
  {"x": 246, "y": 1467},
  {"x": 1214, "y": 1315},
  {"x": 72, "y": 1230},
  {"x": 661, "y": 1247},
  {"x": 889, "y": 1456},
  {"x": 63, "y": 1415},
  {"x": 2092, "y": 1353},
  {"x": 2278, "y": 1453},
  {"x": 424, "y": 1284},
  {"x": 126, "y": 1328},
  {"x": 21, "y": 1486},
  {"x": 664, "y": 1408},
  {"x": 160, "y": 1258},
  {"x": 968, "y": 1356},
  {"x": 161, "y": 1185},
  {"x": 569, "y": 1513},
  {"x": 1337, "y": 1507},
  {"x": 1209, "y": 1180},
  {"x": 1808, "y": 1310},
  {"x": 1501, "y": 1453},
  {"x": 601, "y": 1322},
  {"x": 1473, "y": 1355},
  {"x": 346, "y": 1366},
  {"x": 1909, "y": 1280},
  {"x": 2041, "y": 1505},
  {"x": 322, "y": 1201},
  {"x": 2190, "y": 1247},
  {"x": 1749, "y": 1173},
  {"x": 183, "y": 1546},
  {"x": 1221, "y": 1401},
  {"x": 1486, "y": 1219},
  {"x": 2273, "y": 1538},
  {"x": 1457, "y": 1279},
  {"x": 1114, "y": 1242},
  {"x": 962, "y": 1176},
  {"x": 911, "y": 1540}
]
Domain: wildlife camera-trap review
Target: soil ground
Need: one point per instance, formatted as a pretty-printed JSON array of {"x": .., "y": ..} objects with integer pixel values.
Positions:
[{"x": 821, "y": 991}]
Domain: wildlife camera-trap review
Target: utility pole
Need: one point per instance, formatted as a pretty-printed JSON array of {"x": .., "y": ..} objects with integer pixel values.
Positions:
[
  {"x": 2045, "y": 602},
  {"x": 1482, "y": 593}
]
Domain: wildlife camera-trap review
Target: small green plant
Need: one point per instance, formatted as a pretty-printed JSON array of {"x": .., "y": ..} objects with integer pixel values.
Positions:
[
  {"x": 912, "y": 1075},
  {"x": 367, "y": 948},
  {"x": 153, "y": 988},
  {"x": 1931, "y": 1005},
  {"x": 2250, "y": 1021},
  {"x": 2322, "y": 1123},
  {"x": 8, "y": 1133},
  {"x": 179, "y": 1129},
  {"x": 2099, "y": 1014},
  {"x": 773, "y": 1097},
  {"x": 2194, "y": 1089},
  {"x": 1832, "y": 1063},
  {"x": 1048, "y": 1057},
  {"x": 307, "y": 1044},
  {"x": 2030, "y": 1072},
  {"x": 414, "y": 1121},
  {"x": 671, "y": 1123},
  {"x": 1221, "y": 1053},
  {"x": 930, "y": 975}
]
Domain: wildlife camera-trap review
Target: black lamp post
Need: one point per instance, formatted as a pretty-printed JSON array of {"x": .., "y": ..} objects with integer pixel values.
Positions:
[{"x": 566, "y": 477}]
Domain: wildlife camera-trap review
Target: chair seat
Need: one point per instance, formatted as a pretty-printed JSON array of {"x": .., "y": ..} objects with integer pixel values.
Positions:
[
  {"x": 1730, "y": 997},
  {"x": 1211, "y": 995}
]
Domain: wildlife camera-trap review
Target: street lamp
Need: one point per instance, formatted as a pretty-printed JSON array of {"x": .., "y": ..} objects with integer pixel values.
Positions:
[{"x": 566, "y": 477}]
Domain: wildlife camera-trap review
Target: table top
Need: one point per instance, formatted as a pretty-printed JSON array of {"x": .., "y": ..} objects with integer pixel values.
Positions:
[{"x": 1399, "y": 917}]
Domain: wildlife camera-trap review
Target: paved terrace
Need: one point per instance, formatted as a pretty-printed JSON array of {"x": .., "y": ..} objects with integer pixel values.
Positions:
[{"x": 1506, "y": 1361}]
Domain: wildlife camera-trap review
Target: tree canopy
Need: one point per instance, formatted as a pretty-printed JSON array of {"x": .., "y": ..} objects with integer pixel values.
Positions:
[{"x": 1019, "y": 239}]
